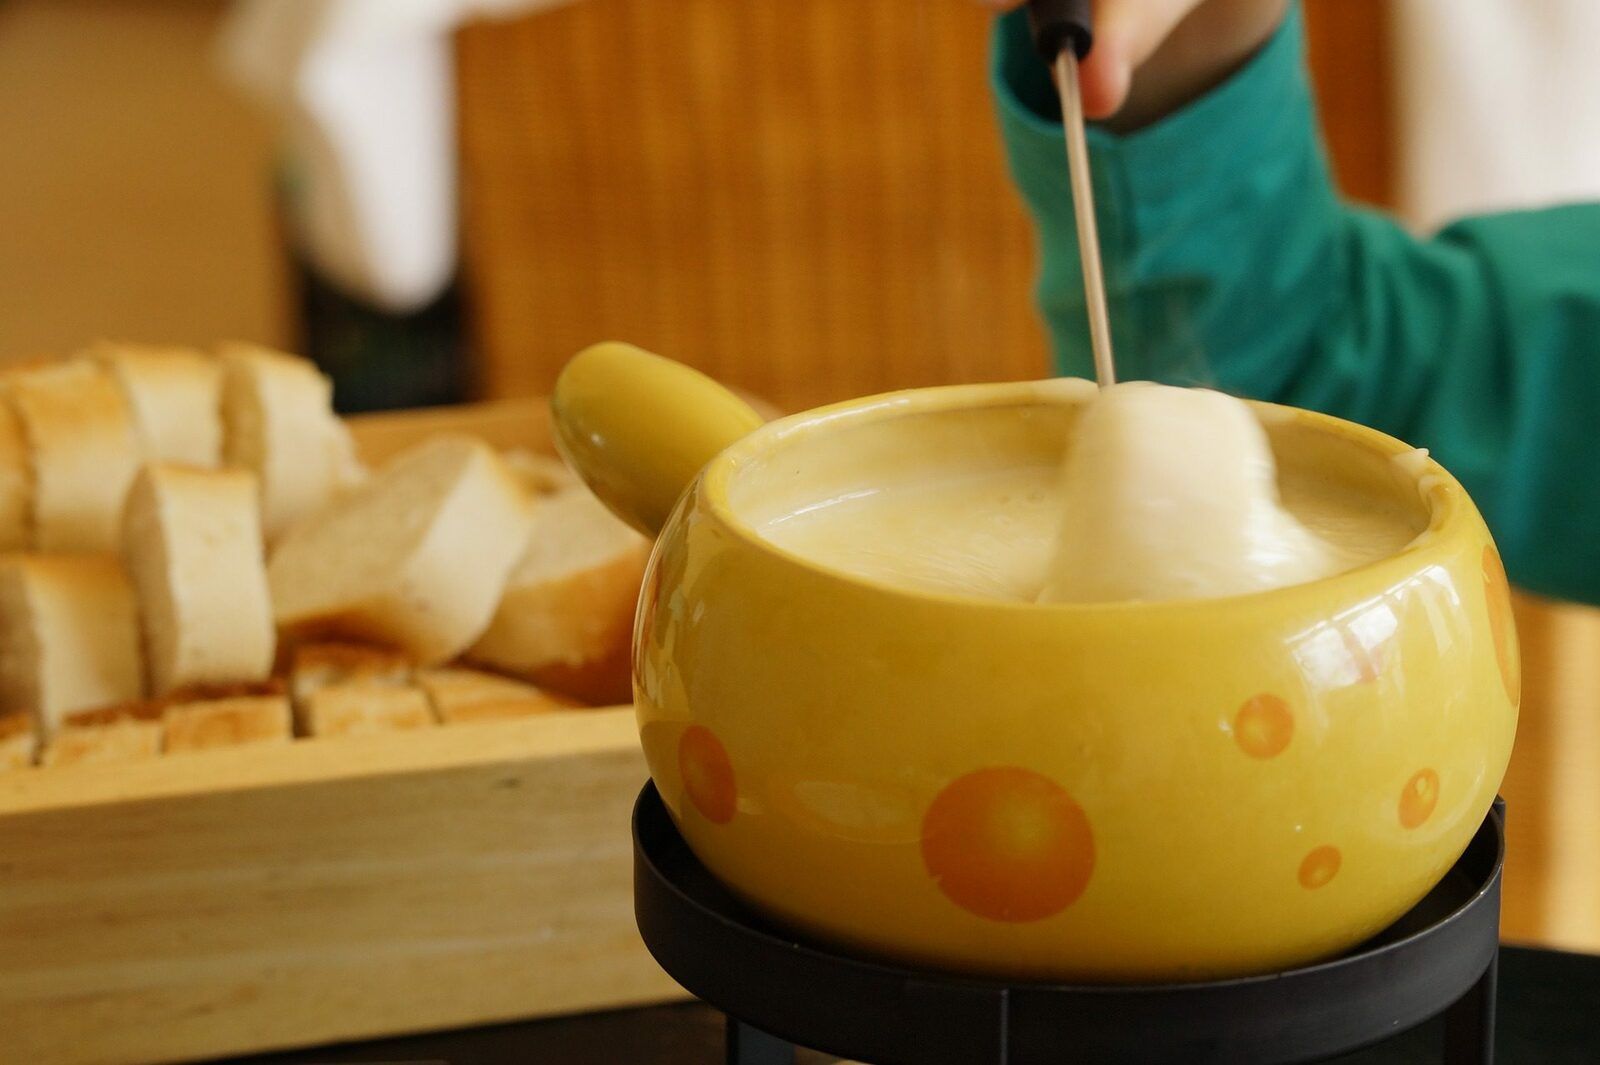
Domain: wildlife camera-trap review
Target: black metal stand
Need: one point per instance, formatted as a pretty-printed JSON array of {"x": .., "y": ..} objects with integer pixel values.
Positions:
[{"x": 1439, "y": 958}]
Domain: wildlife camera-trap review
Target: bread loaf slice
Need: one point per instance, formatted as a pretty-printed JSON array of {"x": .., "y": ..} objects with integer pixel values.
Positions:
[
  {"x": 540, "y": 474},
  {"x": 226, "y": 722},
  {"x": 69, "y": 636},
  {"x": 415, "y": 559},
  {"x": 278, "y": 421},
  {"x": 317, "y": 665},
  {"x": 82, "y": 454},
  {"x": 565, "y": 621},
  {"x": 175, "y": 395},
  {"x": 18, "y": 742},
  {"x": 463, "y": 695},
  {"x": 192, "y": 544},
  {"x": 122, "y": 733},
  {"x": 359, "y": 708},
  {"x": 16, "y": 484},
  {"x": 314, "y": 666}
]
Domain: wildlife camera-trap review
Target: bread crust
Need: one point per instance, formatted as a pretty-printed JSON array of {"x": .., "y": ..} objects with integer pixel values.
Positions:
[
  {"x": 18, "y": 743},
  {"x": 226, "y": 722},
  {"x": 175, "y": 396},
  {"x": 278, "y": 419},
  {"x": 462, "y": 695},
  {"x": 569, "y": 629},
  {"x": 123, "y": 732},
  {"x": 69, "y": 636},
  {"x": 314, "y": 666},
  {"x": 82, "y": 454},
  {"x": 360, "y": 708},
  {"x": 16, "y": 484}
]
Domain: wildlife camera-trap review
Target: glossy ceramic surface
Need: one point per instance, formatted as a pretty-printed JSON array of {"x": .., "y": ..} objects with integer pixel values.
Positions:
[{"x": 1118, "y": 792}]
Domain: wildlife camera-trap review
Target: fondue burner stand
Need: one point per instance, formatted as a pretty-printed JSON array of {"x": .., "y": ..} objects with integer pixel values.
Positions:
[{"x": 1439, "y": 958}]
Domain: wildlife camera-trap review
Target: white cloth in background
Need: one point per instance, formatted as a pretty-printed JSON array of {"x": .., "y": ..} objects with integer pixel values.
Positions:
[
  {"x": 364, "y": 91},
  {"x": 1499, "y": 105}
]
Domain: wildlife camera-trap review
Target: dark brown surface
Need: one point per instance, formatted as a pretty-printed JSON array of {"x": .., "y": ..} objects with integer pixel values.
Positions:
[
  {"x": 1548, "y": 1016},
  {"x": 1350, "y": 46}
]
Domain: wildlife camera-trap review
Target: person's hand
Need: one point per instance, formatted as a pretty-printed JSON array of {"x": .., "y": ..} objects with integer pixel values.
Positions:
[{"x": 1152, "y": 56}]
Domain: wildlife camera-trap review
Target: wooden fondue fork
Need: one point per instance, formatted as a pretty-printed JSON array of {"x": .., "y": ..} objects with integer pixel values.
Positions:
[{"x": 1063, "y": 34}]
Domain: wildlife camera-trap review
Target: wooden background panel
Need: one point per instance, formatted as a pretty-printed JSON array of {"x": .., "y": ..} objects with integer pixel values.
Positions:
[
  {"x": 1351, "y": 52},
  {"x": 806, "y": 199},
  {"x": 134, "y": 184}
]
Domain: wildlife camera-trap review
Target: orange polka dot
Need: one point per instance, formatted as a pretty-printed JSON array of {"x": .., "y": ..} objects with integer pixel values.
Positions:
[
  {"x": 1008, "y": 844},
  {"x": 1418, "y": 798},
  {"x": 707, "y": 774},
  {"x": 1501, "y": 625},
  {"x": 1319, "y": 867},
  {"x": 1263, "y": 726}
]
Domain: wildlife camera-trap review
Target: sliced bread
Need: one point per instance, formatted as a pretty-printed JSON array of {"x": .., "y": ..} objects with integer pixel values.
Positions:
[
  {"x": 69, "y": 636},
  {"x": 122, "y": 733},
  {"x": 540, "y": 474},
  {"x": 175, "y": 395},
  {"x": 278, "y": 422},
  {"x": 314, "y": 666},
  {"x": 566, "y": 619},
  {"x": 82, "y": 453},
  {"x": 317, "y": 665},
  {"x": 414, "y": 559},
  {"x": 192, "y": 543},
  {"x": 462, "y": 695},
  {"x": 362, "y": 707},
  {"x": 18, "y": 741},
  {"x": 226, "y": 722},
  {"x": 16, "y": 484}
]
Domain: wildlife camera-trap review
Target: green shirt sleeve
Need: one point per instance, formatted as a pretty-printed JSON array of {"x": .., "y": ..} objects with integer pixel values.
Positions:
[{"x": 1230, "y": 261}]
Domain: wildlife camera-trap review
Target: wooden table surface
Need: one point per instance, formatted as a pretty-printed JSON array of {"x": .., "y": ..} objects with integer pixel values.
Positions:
[{"x": 1552, "y": 790}]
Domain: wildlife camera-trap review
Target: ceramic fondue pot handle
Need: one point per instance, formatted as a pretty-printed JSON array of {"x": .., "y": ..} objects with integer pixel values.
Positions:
[{"x": 638, "y": 428}]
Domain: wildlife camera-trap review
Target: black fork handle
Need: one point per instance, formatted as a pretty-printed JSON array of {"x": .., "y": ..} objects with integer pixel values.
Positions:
[{"x": 1061, "y": 24}]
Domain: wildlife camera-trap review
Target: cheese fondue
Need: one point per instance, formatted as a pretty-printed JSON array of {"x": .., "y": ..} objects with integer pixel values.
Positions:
[{"x": 1166, "y": 494}]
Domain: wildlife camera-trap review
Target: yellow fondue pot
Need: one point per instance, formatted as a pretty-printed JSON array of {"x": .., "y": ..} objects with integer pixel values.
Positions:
[{"x": 1120, "y": 791}]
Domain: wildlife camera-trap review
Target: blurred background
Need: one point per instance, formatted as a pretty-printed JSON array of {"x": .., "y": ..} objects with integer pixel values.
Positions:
[
  {"x": 804, "y": 198},
  {"x": 443, "y": 201}
]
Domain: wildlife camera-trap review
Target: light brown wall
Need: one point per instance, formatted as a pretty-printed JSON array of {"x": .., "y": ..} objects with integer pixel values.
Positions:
[
  {"x": 805, "y": 199},
  {"x": 133, "y": 184}
]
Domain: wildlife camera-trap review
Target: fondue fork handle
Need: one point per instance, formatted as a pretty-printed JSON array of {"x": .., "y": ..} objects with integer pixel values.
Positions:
[
  {"x": 1063, "y": 32},
  {"x": 1060, "y": 24}
]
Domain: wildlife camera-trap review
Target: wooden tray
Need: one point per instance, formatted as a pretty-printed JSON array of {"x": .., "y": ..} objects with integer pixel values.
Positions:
[{"x": 241, "y": 900}]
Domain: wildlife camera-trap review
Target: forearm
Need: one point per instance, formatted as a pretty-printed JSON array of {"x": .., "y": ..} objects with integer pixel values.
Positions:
[{"x": 1197, "y": 214}]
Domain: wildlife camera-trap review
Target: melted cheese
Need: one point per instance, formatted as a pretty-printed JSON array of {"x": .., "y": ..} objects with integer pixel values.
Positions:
[{"x": 1166, "y": 494}]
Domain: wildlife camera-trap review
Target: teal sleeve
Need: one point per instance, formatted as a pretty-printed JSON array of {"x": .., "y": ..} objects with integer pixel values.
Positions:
[{"x": 1231, "y": 261}]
